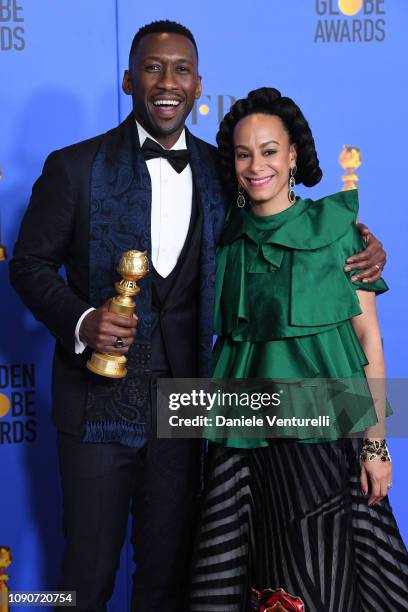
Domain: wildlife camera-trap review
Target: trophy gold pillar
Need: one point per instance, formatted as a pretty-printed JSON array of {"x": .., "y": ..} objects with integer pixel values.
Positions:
[{"x": 133, "y": 266}]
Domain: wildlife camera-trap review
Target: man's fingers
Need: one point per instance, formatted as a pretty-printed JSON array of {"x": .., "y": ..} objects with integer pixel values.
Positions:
[
  {"x": 373, "y": 250},
  {"x": 367, "y": 276},
  {"x": 107, "y": 329},
  {"x": 107, "y": 345},
  {"x": 101, "y": 318},
  {"x": 371, "y": 277},
  {"x": 370, "y": 261},
  {"x": 359, "y": 265},
  {"x": 112, "y": 325},
  {"x": 100, "y": 329},
  {"x": 363, "y": 229},
  {"x": 119, "y": 321},
  {"x": 112, "y": 340}
]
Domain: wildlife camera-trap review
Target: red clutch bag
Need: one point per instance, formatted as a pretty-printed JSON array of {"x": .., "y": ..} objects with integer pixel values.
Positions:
[{"x": 276, "y": 600}]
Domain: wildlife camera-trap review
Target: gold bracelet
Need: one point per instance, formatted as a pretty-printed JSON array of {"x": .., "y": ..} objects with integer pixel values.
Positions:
[{"x": 374, "y": 450}]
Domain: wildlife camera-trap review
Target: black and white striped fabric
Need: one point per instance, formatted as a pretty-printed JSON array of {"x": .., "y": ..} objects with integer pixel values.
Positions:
[{"x": 292, "y": 515}]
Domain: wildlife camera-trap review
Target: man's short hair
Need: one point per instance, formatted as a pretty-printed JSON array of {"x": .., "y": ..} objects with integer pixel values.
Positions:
[{"x": 159, "y": 27}]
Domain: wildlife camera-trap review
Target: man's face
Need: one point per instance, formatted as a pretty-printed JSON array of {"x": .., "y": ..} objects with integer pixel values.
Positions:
[{"x": 163, "y": 81}]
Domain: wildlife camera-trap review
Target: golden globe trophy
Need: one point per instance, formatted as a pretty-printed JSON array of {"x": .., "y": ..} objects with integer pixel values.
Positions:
[
  {"x": 5, "y": 561},
  {"x": 350, "y": 160},
  {"x": 3, "y": 254},
  {"x": 133, "y": 266}
]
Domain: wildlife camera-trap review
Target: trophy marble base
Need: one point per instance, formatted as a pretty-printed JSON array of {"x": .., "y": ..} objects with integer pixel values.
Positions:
[{"x": 107, "y": 364}]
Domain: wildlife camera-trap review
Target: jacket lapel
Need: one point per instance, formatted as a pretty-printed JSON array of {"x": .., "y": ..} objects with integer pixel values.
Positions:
[
  {"x": 118, "y": 410},
  {"x": 204, "y": 169},
  {"x": 120, "y": 207}
]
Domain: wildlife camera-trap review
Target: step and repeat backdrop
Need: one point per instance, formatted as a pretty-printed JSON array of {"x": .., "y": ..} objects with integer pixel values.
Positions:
[{"x": 61, "y": 66}]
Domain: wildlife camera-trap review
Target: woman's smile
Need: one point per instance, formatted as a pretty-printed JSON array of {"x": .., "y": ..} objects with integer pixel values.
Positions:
[{"x": 259, "y": 181}]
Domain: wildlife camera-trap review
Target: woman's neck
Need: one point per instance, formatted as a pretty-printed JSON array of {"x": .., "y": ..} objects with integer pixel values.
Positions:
[{"x": 271, "y": 207}]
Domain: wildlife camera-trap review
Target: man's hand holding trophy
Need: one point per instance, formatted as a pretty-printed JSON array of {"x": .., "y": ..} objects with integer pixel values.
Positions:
[{"x": 111, "y": 329}]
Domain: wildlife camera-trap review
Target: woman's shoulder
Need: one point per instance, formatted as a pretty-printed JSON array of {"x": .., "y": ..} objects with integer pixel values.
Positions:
[
  {"x": 312, "y": 224},
  {"x": 322, "y": 222},
  {"x": 346, "y": 200}
]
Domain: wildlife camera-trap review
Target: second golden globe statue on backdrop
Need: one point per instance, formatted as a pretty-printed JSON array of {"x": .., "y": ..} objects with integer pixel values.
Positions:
[
  {"x": 350, "y": 160},
  {"x": 133, "y": 266},
  {"x": 5, "y": 561}
]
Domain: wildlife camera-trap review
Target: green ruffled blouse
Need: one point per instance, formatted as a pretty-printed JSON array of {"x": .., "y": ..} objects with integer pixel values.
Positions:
[{"x": 283, "y": 305}]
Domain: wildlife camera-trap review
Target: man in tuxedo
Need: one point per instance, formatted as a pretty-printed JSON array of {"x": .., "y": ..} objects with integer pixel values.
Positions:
[{"x": 148, "y": 184}]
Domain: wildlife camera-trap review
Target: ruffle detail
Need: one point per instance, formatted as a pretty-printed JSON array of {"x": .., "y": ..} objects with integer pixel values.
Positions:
[
  {"x": 282, "y": 313},
  {"x": 335, "y": 353},
  {"x": 315, "y": 375},
  {"x": 313, "y": 224},
  {"x": 272, "y": 284}
]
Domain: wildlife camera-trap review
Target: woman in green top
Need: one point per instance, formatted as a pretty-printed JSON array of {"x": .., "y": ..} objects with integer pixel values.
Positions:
[{"x": 307, "y": 515}]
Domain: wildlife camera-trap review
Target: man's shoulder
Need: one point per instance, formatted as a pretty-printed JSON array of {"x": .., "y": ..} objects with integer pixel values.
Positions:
[
  {"x": 82, "y": 146},
  {"x": 85, "y": 149},
  {"x": 77, "y": 159}
]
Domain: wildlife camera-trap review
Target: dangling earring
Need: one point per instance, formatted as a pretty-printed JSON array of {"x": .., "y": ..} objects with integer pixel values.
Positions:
[
  {"x": 292, "y": 194},
  {"x": 240, "y": 198}
]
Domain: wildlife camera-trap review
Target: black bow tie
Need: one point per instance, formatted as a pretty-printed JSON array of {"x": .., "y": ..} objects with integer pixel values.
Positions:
[{"x": 177, "y": 159}]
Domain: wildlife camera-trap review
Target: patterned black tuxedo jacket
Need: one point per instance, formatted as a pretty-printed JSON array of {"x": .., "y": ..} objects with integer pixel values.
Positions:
[{"x": 91, "y": 203}]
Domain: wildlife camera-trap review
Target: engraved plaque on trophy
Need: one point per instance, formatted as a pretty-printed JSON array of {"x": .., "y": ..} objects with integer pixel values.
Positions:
[{"x": 133, "y": 266}]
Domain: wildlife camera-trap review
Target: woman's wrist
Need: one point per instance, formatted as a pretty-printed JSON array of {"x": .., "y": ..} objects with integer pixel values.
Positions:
[{"x": 374, "y": 449}]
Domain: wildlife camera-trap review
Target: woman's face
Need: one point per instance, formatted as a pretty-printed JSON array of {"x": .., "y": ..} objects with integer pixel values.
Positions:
[{"x": 263, "y": 158}]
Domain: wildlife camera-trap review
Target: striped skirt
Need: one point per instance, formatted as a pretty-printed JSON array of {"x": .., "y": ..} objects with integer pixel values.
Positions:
[{"x": 292, "y": 516}]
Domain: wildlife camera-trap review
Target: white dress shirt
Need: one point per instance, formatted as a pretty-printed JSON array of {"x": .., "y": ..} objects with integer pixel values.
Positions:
[{"x": 172, "y": 195}]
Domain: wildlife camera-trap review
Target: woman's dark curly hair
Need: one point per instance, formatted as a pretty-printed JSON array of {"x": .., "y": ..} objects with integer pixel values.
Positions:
[{"x": 269, "y": 101}]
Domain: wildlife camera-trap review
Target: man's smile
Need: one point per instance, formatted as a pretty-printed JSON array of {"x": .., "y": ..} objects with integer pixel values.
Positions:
[
  {"x": 166, "y": 102},
  {"x": 166, "y": 107}
]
